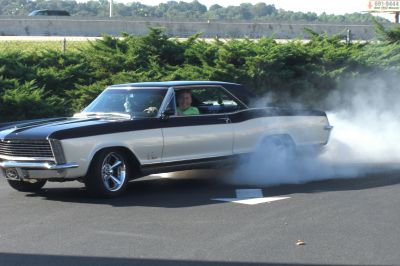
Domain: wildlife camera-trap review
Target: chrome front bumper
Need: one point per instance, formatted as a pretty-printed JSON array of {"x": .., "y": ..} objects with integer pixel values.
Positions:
[
  {"x": 38, "y": 165},
  {"x": 36, "y": 170}
]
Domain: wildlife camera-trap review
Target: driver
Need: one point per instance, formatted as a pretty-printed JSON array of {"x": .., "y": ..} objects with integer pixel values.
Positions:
[
  {"x": 130, "y": 103},
  {"x": 184, "y": 100}
]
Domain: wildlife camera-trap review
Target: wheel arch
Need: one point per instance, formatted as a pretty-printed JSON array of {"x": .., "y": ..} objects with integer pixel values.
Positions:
[{"x": 133, "y": 160}]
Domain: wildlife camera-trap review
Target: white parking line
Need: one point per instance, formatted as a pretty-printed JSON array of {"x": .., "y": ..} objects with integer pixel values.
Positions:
[{"x": 250, "y": 197}]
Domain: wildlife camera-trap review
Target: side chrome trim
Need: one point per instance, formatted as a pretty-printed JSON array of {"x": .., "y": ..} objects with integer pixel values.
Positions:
[
  {"x": 34, "y": 165},
  {"x": 202, "y": 163}
]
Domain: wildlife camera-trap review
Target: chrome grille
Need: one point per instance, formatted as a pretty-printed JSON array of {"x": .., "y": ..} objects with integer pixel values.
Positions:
[{"x": 26, "y": 148}]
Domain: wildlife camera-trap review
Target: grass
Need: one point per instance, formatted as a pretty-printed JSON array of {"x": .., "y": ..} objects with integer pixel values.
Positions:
[{"x": 29, "y": 46}]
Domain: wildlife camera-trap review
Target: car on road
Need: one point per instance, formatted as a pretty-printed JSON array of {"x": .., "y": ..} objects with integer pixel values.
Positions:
[
  {"x": 48, "y": 12},
  {"x": 133, "y": 130}
]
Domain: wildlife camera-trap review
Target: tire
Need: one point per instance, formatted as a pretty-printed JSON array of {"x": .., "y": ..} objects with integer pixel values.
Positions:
[
  {"x": 108, "y": 174},
  {"x": 278, "y": 150},
  {"x": 25, "y": 186},
  {"x": 273, "y": 161}
]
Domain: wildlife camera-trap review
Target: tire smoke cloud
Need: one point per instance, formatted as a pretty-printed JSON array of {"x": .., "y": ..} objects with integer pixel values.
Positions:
[{"x": 365, "y": 113}]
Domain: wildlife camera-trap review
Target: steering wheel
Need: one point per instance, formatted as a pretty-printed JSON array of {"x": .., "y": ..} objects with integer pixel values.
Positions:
[{"x": 150, "y": 110}]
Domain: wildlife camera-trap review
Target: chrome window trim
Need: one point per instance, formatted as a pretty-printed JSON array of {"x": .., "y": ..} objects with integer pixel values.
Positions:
[
  {"x": 134, "y": 88},
  {"x": 212, "y": 86},
  {"x": 169, "y": 96}
]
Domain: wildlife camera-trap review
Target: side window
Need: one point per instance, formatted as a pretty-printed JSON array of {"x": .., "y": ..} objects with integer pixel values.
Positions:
[
  {"x": 172, "y": 105},
  {"x": 215, "y": 100}
]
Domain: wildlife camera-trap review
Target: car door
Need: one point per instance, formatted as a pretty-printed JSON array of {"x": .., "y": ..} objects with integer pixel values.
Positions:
[{"x": 207, "y": 135}]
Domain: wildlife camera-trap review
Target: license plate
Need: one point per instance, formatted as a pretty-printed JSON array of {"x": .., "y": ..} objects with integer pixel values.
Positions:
[{"x": 12, "y": 174}]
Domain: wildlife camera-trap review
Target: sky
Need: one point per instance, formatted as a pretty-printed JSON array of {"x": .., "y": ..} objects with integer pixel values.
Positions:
[{"x": 318, "y": 6}]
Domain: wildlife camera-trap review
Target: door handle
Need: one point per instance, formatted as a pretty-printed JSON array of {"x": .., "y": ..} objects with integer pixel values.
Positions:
[{"x": 226, "y": 119}]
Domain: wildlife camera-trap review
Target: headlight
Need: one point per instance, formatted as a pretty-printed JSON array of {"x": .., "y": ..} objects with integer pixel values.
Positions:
[{"x": 58, "y": 152}]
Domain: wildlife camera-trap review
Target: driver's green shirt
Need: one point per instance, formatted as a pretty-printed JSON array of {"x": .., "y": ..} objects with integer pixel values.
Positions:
[{"x": 189, "y": 111}]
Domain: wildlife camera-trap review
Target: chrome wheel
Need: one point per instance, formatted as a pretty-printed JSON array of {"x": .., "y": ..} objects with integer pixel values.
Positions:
[{"x": 113, "y": 172}]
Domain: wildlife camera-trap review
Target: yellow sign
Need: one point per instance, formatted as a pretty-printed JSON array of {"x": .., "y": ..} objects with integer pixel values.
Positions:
[{"x": 384, "y": 5}]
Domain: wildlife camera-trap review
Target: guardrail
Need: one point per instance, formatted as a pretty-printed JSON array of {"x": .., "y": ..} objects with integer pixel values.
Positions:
[{"x": 92, "y": 27}]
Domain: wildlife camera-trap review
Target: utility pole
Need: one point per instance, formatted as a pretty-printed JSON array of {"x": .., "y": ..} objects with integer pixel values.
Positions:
[
  {"x": 64, "y": 45},
  {"x": 111, "y": 8},
  {"x": 348, "y": 36},
  {"x": 396, "y": 17}
]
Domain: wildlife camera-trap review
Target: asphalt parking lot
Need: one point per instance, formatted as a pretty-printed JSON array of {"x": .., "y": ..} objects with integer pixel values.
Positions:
[{"x": 176, "y": 221}]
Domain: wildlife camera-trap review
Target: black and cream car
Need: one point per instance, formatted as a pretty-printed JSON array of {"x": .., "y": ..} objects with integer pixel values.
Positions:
[{"x": 132, "y": 130}]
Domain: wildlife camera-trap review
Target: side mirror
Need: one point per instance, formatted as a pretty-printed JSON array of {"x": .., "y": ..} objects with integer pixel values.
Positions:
[{"x": 167, "y": 113}]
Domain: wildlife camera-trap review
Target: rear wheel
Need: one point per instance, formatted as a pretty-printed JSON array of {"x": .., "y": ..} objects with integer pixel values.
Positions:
[
  {"x": 273, "y": 161},
  {"x": 277, "y": 152},
  {"x": 109, "y": 173},
  {"x": 27, "y": 186},
  {"x": 280, "y": 148}
]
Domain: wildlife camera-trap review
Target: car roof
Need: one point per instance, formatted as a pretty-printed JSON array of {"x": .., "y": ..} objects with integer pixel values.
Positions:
[
  {"x": 170, "y": 84},
  {"x": 38, "y": 10}
]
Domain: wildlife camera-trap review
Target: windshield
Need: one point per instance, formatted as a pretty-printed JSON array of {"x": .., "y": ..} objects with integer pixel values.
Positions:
[
  {"x": 34, "y": 13},
  {"x": 133, "y": 102}
]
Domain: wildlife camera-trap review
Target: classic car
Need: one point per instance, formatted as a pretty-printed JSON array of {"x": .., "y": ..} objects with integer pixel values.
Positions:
[{"x": 133, "y": 130}]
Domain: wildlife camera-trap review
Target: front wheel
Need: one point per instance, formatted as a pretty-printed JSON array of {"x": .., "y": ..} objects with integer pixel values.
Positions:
[
  {"x": 27, "y": 186},
  {"x": 109, "y": 173}
]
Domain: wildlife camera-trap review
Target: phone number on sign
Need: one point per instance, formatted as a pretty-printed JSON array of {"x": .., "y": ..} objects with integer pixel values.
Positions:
[{"x": 386, "y": 4}]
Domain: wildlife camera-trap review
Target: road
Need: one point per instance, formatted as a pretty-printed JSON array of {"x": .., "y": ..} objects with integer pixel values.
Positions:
[
  {"x": 90, "y": 26},
  {"x": 175, "y": 221},
  {"x": 83, "y": 39}
]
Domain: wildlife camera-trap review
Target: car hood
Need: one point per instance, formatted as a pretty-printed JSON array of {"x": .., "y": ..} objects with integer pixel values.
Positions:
[{"x": 46, "y": 128}]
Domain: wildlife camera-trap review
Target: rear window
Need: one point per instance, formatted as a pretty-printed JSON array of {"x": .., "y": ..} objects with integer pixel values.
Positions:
[{"x": 58, "y": 13}]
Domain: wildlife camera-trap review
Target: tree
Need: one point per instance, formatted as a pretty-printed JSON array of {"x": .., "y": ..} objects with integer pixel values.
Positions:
[
  {"x": 177, "y": 10},
  {"x": 262, "y": 10},
  {"x": 388, "y": 35}
]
